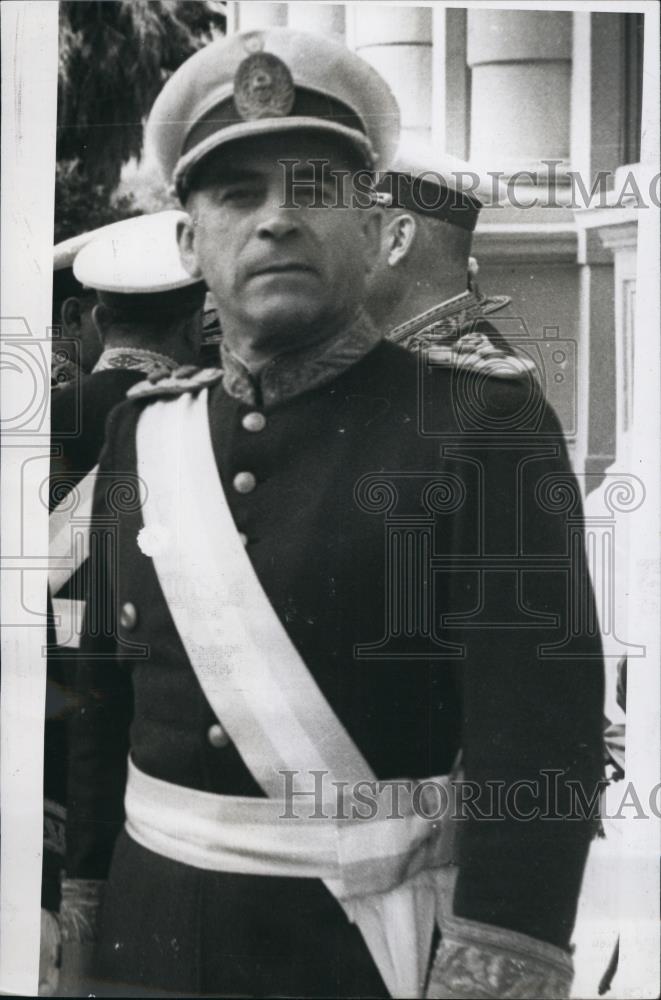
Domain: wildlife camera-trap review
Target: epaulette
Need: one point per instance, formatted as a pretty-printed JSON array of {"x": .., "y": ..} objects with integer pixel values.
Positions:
[
  {"x": 474, "y": 352},
  {"x": 175, "y": 383}
]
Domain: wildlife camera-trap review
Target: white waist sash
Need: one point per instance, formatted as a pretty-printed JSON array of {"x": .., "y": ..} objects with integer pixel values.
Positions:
[
  {"x": 252, "y": 836},
  {"x": 226, "y": 833},
  {"x": 261, "y": 690}
]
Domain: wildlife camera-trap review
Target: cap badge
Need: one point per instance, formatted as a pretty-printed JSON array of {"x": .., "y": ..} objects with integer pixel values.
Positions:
[
  {"x": 253, "y": 41},
  {"x": 263, "y": 87}
]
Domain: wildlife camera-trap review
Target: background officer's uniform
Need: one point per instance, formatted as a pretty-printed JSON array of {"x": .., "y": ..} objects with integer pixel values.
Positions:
[
  {"x": 102, "y": 264},
  {"x": 427, "y": 184}
]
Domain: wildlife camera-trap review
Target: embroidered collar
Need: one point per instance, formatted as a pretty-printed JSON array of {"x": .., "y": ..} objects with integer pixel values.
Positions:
[
  {"x": 450, "y": 318},
  {"x": 291, "y": 374},
  {"x": 136, "y": 358}
]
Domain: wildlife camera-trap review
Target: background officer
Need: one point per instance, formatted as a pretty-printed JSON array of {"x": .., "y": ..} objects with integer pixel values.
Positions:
[
  {"x": 424, "y": 286},
  {"x": 147, "y": 317},
  {"x": 145, "y": 312},
  {"x": 76, "y": 346}
]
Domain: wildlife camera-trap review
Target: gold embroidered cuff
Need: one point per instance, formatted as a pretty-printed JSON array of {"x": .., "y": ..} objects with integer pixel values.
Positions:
[{"x": 485, "y": 962}]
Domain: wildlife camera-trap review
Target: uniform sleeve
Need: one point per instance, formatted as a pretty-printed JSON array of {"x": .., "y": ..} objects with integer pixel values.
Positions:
[
  {"x": 99, "y": 725},
  {"x": 532, "y": 676}
]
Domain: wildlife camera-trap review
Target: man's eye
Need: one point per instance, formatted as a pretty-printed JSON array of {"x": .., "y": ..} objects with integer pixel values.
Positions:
[
  {"x": 239, "y": 196},
  {"x": 316, "y": 193}
]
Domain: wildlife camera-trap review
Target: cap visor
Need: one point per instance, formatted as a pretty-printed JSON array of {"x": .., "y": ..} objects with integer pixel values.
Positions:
[{"x": 268, "y": 126}]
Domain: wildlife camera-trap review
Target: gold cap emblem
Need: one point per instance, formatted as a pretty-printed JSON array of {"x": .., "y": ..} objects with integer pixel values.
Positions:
[{"x": 263, "y": 87}]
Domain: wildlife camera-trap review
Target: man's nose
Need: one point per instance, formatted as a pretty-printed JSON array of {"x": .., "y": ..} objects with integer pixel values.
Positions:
[{"x": 278, "y": 223}]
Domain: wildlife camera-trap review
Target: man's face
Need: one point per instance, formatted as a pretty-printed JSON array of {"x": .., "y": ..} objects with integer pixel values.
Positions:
[
  {"x": 78, "y": 327},
  {"x": 396, "y": 273},
  {"x": 383, "y": 284},
  {"x": 90, "y": 344},
  {"x": 276, "y": 271}
]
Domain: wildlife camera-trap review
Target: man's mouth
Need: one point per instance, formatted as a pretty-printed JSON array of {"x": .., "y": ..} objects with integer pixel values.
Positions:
[{"x": 283, "y": 267}]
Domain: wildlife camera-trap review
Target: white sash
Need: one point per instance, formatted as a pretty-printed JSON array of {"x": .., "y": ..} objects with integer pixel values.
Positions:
[
  {"x": 259, "y": 687},
  {"x": 258, "y": 836}
]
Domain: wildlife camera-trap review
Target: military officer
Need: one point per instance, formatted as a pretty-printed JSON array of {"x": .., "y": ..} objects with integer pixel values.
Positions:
[
  {"x": 424, "y": 289},
  {"x": 75, "y": 350},
  {"x": 269, "y": 638},
  {"x": 147, "y": 315},
  {"x": 76, "y": 345},
  {"x": 132, "y": 289}
]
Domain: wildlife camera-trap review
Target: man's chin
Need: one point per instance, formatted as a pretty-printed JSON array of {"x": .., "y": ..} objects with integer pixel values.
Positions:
[{"x": 288, "y": 319}]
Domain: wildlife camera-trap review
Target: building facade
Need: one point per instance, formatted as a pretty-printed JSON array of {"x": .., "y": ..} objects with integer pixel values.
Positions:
[{"x": 548, "y": 99}]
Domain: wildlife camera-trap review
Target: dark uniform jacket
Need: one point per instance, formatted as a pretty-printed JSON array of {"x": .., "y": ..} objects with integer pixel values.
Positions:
[
  {"x": 78, "y": 417},
  {"x": 419, "y": 659}
]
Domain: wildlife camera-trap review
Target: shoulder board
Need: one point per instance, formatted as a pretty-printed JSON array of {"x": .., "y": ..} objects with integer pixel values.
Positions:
[
  {"x": 474, "y": 352},
  {"x": 175, "y": 383}
]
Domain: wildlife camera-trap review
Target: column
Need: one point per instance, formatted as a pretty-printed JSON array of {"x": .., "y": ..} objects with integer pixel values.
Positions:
[
  {"x": 324, "y": 19},
  {"x": 451, "y": 82},
  {"x": 598, "y": 119},
  {"x": 521, "y": 85},
  {"x": 639, "y": 902},
  {"x": 254, "y": 15},
  {"x": 397, "y": 41}
]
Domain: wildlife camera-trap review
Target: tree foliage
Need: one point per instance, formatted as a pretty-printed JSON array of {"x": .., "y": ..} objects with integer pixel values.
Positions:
[
  {"x": 114, "y": 57},
  {"x": 81, "y": 206}
]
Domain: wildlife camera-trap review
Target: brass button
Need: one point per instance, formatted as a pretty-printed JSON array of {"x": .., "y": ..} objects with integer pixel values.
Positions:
[
  {"x": 217, "y": 736},
  {"x": 128, "y": 616},
  {"x": 244, "y": 538},
  {"x": 244, "y": 482},
  {"x": 254, "y": 422}
]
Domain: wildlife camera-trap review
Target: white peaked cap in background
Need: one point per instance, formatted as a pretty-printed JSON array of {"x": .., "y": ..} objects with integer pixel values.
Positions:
[{"x": 136, "y": 256}]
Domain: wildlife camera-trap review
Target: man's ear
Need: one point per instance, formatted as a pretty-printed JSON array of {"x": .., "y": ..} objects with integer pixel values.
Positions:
[
  {"x": 71, "y": 316},
  {"x": 186, "y": 242},
  {"x": 101, "y": 320},
  {"x": 373, "y": 228},
  {"x": 399, "y": 238}
]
